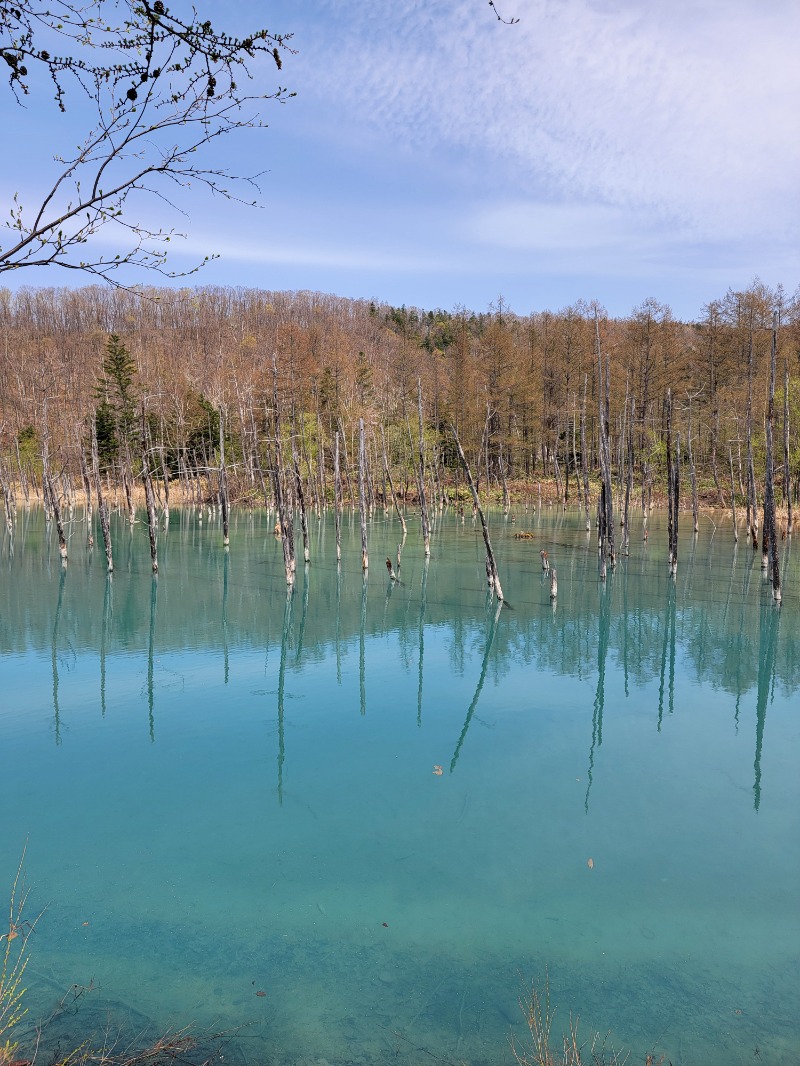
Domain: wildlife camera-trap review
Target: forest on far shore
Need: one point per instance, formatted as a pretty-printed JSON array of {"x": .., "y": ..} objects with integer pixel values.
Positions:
[{"x": 182, "y": 382}]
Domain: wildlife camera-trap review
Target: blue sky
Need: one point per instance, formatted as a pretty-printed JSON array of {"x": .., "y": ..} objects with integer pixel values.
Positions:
[{"x": 598, "y": 149}]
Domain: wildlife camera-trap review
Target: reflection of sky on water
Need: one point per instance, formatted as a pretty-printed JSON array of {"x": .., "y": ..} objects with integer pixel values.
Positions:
[{"x": 233, "y": 787}]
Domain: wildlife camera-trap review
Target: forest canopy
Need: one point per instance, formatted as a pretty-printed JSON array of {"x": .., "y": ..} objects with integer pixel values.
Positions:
[{"x": 518, "y": 389}]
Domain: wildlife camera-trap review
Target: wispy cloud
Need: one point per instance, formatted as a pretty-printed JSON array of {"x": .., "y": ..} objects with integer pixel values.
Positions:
[
  {"x": 566, "y": 228},
  {"x": 327, "y": 256},
  {"x": 687, "y": 111}
]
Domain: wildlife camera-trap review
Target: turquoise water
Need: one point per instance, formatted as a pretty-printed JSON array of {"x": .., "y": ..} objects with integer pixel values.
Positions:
[{"x": 226, "y": 792}]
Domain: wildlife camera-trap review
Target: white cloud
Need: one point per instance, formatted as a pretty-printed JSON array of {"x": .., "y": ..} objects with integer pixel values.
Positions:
[
  {"x": 550, "y": 228},
  {"x": 688, "y": 111},
  {"x": 331, "y": 255}
]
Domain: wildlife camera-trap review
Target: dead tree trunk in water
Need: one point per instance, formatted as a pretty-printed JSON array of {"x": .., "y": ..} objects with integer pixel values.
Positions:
[
  {"x": 673, "y": 488},
  {"x": 787, "y": 475},
  {"x": 223, "y": 478},
  {"x": 23, "y": 477},
  {"x": 714, "y": 474},
  {"x": 491, "y": 565},
  {"x": 504, "y": 482},
  {"x": 423, "y": 503},
  {"x": 87, "y": 489},
  {"x": 693, "y": 476},
  {"x": 676, "y": 486},
  {"x": 127, "y": 478},
  {"x": 770, "y": 541},
  {"x": 752, "y": 506},
  {"x": 256, "y": 459},
  {"x": 606, "y": 500},
  {"x": 626, "y": 544},
  {"x": 102, "y": 507},
  {"x": 560, "y": 495},
  {"x": 284, "y": 517},
  {"x": 149, "y": 495},
  {"x": 337, "y": 498},
  {"x": 321, "y": 497},
  {"x": 164, "y": 476},
  {"x": 388, "y": 474},
  {"x": 284, "y": 511},
  {"x": 362, "y": 502},
  {"x": 298, "y": 483},
  {"x": 8, "y": 499},
  {"x": 670, "y": 512},
  {"x": 733, "y": 498},
  {"x": 52, "y": 500},
  {"x": 584, "y": 456}
]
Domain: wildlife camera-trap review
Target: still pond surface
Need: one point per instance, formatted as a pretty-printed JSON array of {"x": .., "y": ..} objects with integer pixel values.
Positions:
[{"x": 226, "y": 793}]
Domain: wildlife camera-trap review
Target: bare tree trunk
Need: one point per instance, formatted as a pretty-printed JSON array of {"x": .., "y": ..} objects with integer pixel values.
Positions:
[
  {"x": 770, "y": 542},
  {"x": 606, "y": 501},
  {"x": 149, "y": 496},
  {"x": 165, "y": 478},
  {"x": 298, "y": 481},
  {"x": 256, "y": 456},
  {"x": 87, "y": 490},
  {"x": 223, "y": 478},
  {"x": 673, "y": 483},
  {"x": 575, "y": 447},
  {"x": 343, "y": 468},
  {"x": 676, "y": 485},
  {"x": 733, "y": 498},
  {"x": 693, "y": 476},
  {"x": 337, "y": 498},
  {"x": 362, "y": 502},
  {"x": 739, "y": 468},
  {"x": 629, "y": 481},
  {"x": 672, "y": 494},
  {"x": 320, "y": 466},
  {"x": 504, "y": 481},
  {"x": 101, "y": 503},
  {"x": 388, "y": 473},
  {"x": 557, "y": 472},
  {"x": 612, "y": 556},
  {"x": 714, "y": 474},
  {"x": 8, "y": 500},
  {"x": 752, "y": 506},
  {"x": 247, "y": 454},
  {"x": 284, "y": 518},
  {"x": 439, "y": 493},
  {"x": 787, "y": 478},
  {"x": 22, "y": 475},
  {"x": 284, "y": 512},
  {"x": 368, "y": 479},
  {"x": 423, "y": 503},
  {"x": 69, "y": 495},
  {"x": 491, "y": 565},
  {"x": 51, "y": 497},
  {"x": 584, "y": 456}
]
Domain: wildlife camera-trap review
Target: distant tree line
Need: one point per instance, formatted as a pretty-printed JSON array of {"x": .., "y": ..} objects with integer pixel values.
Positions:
[{"x": 189, "y": 382}]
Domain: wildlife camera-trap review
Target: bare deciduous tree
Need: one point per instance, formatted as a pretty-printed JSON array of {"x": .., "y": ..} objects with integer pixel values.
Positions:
[{"x": 160, "y": 89}]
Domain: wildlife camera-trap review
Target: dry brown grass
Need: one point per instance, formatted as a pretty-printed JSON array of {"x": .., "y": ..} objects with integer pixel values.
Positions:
[{"x": 571, "y": 1049}]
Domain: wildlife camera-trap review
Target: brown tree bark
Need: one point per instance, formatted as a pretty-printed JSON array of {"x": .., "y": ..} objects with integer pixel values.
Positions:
[
  {"x": 491, "y": 565},
  {"x": 362, "y": 502}
]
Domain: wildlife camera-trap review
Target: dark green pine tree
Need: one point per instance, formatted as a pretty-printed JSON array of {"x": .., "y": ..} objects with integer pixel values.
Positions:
[{"x": 115, "y": 414}]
